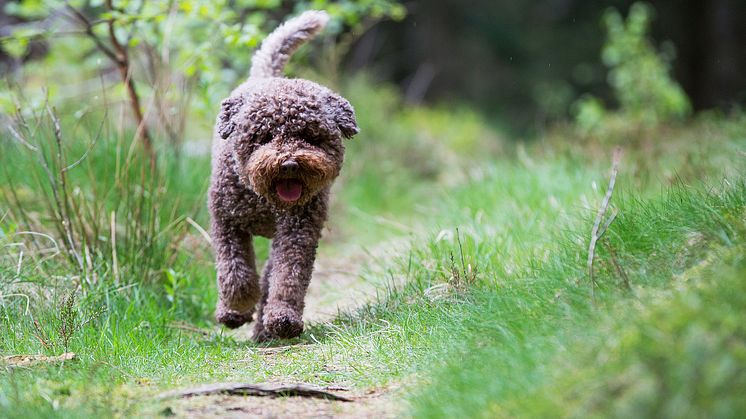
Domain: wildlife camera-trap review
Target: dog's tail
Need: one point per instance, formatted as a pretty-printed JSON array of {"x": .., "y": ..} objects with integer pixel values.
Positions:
[{"x": 276, "y": 49}]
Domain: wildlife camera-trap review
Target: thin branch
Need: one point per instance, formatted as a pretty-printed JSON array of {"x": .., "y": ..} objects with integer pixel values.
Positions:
[
  {"x": 118, "y": 54},
  {"x": 113, "y": 36},
  {"x": 124, "y": 68},
  {"x": 20, "y": 139},
  {"x": 88, "y": 27},
  {"x": 608, "y": 222},
  {"x": 595, "y": 232},
  {"x": 63, "y": 201}
]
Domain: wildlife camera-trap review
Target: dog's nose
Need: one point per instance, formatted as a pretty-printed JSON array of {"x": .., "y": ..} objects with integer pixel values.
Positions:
[{"x": 289, "y": 167}]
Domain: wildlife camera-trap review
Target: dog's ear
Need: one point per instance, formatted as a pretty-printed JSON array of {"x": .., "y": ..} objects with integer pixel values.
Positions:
[
  {"x": 228, "y": 110},
  {"x": 344, "y": 116}
]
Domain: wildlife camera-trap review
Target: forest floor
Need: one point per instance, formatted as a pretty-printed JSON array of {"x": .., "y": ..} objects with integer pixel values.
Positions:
[{"x": 460, "y": 275}]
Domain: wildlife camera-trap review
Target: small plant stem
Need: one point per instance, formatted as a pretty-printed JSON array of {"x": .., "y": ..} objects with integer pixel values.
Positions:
[
  {"x": 618, "y": 266},
  {"x": 597, "y": 231},
  {"x": 115, "y": 264}
]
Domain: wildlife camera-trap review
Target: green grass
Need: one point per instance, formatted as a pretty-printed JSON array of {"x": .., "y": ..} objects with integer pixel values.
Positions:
[
  {"x": 520, "y": 334},
  {"x": 486, "y": 313},
  {"x": 679, "y": 355}
]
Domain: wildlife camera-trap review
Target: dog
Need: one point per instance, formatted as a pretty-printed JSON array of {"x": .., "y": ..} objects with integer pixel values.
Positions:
[{"x": 277, "y": 149}]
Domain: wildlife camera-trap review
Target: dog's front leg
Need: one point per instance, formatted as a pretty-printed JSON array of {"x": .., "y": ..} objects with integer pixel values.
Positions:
[
  {"x": 238, "y": 282},
  {"x": 293, "y": 255},
  {"x": 259, "y": 334}
]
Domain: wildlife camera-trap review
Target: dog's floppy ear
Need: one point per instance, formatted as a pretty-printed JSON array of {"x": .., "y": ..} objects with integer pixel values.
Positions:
[
  {"x": 228, "y": 110},
  {"x": 344, "y": 116}
]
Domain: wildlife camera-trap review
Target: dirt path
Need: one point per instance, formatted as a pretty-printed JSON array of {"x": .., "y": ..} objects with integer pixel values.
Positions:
[
  {"x": 371, "y": 405},
  {"x": 344, "y": 282},
  {"x": 338, "y": 284}
]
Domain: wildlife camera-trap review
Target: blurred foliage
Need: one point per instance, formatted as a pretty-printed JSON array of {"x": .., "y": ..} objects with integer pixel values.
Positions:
[
  {"x": 638, "y": 74},
  {"x": 403, "y": 154},
  {"x": 202, "y": 47}
]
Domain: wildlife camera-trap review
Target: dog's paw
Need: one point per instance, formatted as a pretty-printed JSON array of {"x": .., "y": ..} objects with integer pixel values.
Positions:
[
  {"x": 231, "y": 318},
  {"x": 282, "y": 322}
]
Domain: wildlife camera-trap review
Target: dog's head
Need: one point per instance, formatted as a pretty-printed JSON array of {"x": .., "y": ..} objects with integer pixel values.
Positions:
[{"x": 286, "y": 136}]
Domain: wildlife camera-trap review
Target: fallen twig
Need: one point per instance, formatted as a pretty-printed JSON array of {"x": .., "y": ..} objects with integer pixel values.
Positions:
[
  {"x": 28, "y": 360},
  {"x": 597, "y": 231},
  {"x": 261, "y": 390}
]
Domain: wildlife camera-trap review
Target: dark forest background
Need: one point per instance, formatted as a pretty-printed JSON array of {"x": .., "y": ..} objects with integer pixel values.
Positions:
[{"x": 526, "y": 61}]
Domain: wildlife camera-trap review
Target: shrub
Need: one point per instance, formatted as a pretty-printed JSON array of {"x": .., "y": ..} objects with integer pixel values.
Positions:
[{"x": 638, "y": 74}]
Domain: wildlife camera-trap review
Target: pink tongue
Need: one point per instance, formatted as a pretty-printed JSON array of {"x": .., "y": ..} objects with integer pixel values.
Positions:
[{"x": 289, "y": 190}]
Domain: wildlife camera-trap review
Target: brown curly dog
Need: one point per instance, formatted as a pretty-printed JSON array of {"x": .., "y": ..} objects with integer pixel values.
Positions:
[{"x": 277, "y": 148}]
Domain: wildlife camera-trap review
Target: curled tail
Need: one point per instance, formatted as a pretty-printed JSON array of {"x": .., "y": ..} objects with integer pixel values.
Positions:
[{"x": 276, "y": 49}]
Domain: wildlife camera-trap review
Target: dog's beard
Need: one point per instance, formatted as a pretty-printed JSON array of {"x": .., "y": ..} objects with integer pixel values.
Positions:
[{"x": 315, "y": 172}]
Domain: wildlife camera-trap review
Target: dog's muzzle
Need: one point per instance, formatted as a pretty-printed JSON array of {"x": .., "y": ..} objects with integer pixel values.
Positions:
[{"x": 288, "y": 187}]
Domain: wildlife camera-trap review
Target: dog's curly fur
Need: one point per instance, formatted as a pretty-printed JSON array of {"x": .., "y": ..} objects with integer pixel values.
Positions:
[{"x": 277, "y": 148}]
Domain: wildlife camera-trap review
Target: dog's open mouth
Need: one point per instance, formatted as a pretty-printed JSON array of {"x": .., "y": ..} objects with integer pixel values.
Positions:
[{"x": 289, "y": 190}]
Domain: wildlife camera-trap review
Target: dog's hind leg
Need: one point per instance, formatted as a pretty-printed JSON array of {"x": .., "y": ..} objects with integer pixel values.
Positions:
[{"x": 238, "y": 282}]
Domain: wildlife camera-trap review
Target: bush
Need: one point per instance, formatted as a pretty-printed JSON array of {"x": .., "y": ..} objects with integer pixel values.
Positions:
[{"x": 638, "y": 74}]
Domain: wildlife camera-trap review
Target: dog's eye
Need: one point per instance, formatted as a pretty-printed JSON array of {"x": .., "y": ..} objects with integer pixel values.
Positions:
[
  {"x": 312, "y": 137},
  {"x": 261, "y": 138}
]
